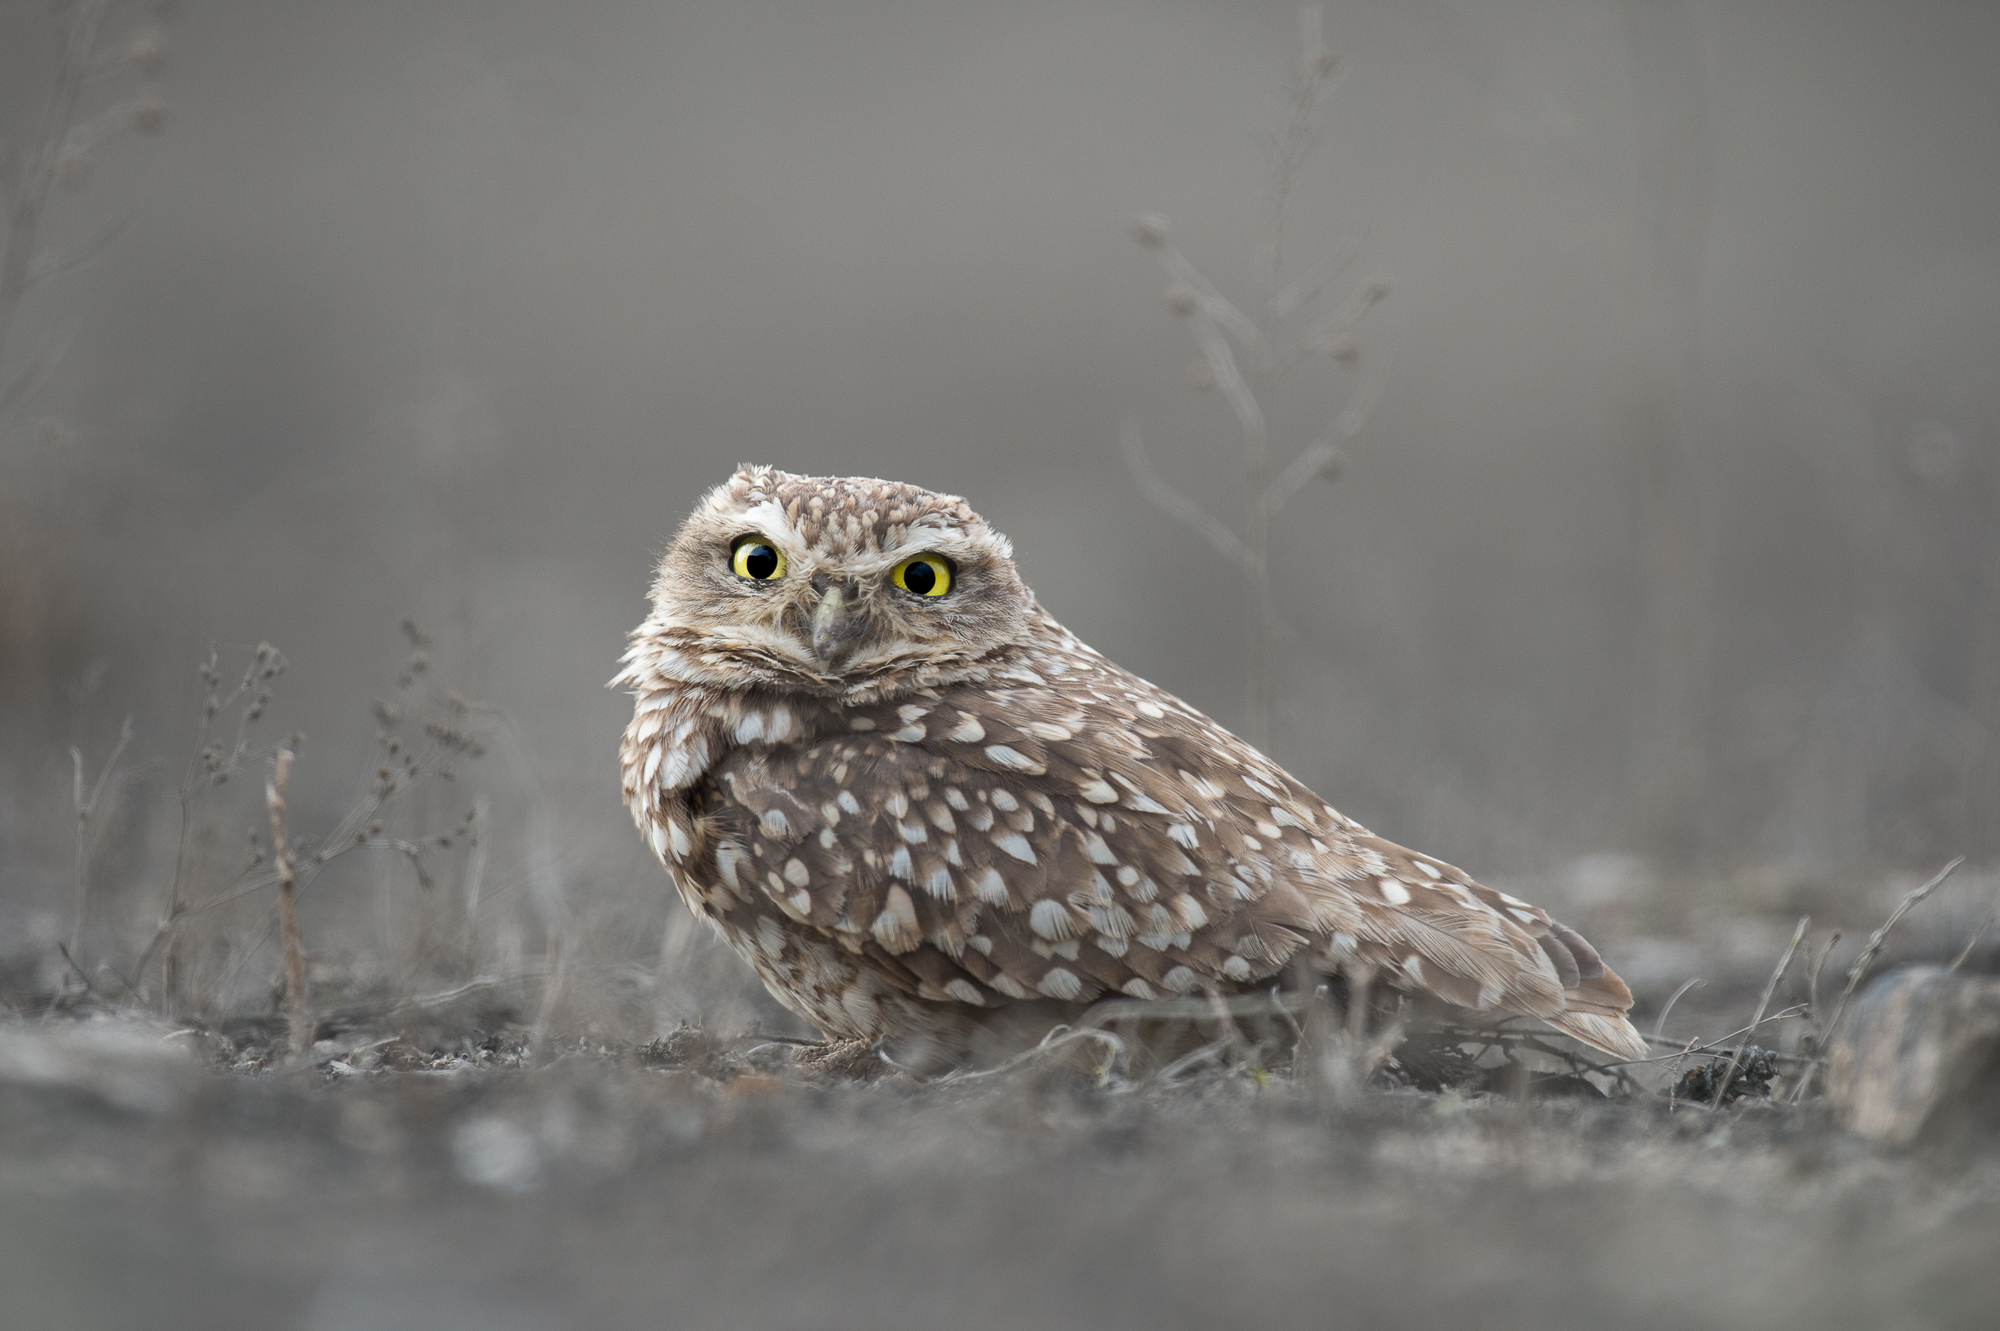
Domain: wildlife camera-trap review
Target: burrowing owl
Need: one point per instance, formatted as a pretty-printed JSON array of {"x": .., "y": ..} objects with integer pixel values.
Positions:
[{"x": 922, "y": 809}]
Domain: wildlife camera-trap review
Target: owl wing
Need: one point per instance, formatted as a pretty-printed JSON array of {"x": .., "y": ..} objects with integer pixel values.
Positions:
[{"x": 967, "y": 882}]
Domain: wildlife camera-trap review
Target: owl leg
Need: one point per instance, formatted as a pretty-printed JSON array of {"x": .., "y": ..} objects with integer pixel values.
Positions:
[{"x": 860, "y": 1060}]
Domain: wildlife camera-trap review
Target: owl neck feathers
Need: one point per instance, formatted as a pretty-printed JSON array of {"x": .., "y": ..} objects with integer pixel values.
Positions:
[{"x": 694, "y": 701}]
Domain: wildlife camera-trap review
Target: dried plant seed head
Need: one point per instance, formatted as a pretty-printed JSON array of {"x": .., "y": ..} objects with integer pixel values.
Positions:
[
  {"x": 1201, "y": 374},
  {"x": 375, "y": 828},
  {"x": 1345, "y": 350},
  {"x": 1375, "y": 290},
  {"x": 1325, "y": 63},
  {"x": 1150, "y": 230},
  {"x": 1182, "y": 300}
]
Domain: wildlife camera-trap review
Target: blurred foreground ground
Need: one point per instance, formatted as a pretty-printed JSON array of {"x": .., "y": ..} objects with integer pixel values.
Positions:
[{"x": 142, "y": 1183}]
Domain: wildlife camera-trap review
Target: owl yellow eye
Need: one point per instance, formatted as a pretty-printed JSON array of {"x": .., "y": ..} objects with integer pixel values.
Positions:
[
  {"x": 757, "y": 560},
  {"x": 926, "y": 575}
]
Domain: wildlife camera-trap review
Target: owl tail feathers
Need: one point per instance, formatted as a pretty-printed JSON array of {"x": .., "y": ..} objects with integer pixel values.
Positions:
[
  {"x": 1594, "y": 1012},
  {"x": 1611, "y": 1033}
]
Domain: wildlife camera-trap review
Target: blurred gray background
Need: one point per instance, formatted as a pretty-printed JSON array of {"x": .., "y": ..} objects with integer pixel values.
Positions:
[{"x": 1671, "y": 550}]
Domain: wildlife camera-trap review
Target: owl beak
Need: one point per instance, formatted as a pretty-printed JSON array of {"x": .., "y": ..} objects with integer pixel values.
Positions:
[{"x": 835, "y": 628}]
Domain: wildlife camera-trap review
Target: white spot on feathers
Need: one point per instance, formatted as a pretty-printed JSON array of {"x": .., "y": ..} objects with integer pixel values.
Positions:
[
  {"x": 1096, "y": 791},
  {"x": 1392, "y": 891},
  {"x": 1051, "y": 920},
  {"x": 1016, "y": 845},
  {"x": 1059, "y": 983},
  {"x": 1013, "y": 759},
  {"x": 990, "y": 888},
  {"x": 1010, "y": 986}
]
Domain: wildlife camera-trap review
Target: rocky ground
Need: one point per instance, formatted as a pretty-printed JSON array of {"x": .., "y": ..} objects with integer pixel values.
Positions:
[{"x": 173, "y": 1178}]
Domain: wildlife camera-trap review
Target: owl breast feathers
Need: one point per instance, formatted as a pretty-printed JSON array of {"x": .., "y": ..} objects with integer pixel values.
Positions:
[{"x": 918, "y": 806}]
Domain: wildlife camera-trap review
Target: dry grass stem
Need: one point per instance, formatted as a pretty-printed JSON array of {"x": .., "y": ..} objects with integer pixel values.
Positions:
[
  {"x": 1763, "y": 1005},
  {"x": 298, "y": 1016},
  {"x": 1869, "y": 952},
  {"x": 1973, "y": 942},
  {"x": 87, "y": 829},
  {"x": 1660, "y": 1026}
]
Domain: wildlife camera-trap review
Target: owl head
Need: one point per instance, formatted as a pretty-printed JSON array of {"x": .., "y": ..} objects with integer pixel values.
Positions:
[{"x": 828, "y": 583}]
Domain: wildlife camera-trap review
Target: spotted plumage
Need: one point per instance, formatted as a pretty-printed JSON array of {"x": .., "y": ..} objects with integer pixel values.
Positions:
[{"x": 919, "y": 816}]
